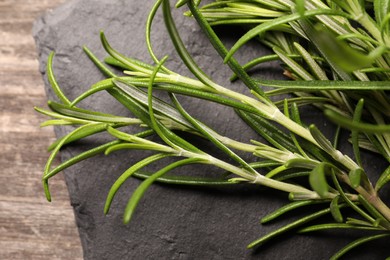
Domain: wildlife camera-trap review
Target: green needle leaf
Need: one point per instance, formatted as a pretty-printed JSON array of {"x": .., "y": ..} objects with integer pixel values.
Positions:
[
  {"x": 358, "y": 177},
  {"x": 300, "y": 6},
  {"x": 382, "y": 9},
  {"x": 119, "y": 182},
  {"x": 159, "y": 106},
  {"x": 54, "y": 154},
  {"x": 348, "y": 123},
  {"x": 327, "y": 226},
  {"x": 267, "y": 130},
  {"x": 383, "y": 179},
  {"x": 286, "y": 86},
  {"x": 288, "y": 227},
  {"x": 53, "y": 81},
  {"x": 131, "y": 64},
  {"x": 355, "y": 134},
  {"x": 90, "y": 115},
  {"x": 356, "y": 243},
  {"x": 98, "y": 63},
  {"x": 355, "y": 177},
  {"x": 260, "y": 29},
  {"x": 180, "y": 47},
  {"x": 317, "y": 180},
  {"x": 348, "y": 201},
  {"x": 287, "y": 208},
  {"x": 294, "y": 66},
  {"x": 208, "y": 134},
  {"x": 92, "y": 91},
  {"x": 184, "y": 180},
  {"x": 220, "y": 48},
  {"x": 335, "y": 209},
  {"x": 338, "y": 51},
  {"x": 321, "y": 140},
  {"x": 148, "y": 27},
  {"x": 374, "y": 212},
  {"x": 139, "y": 192},
  {"x": 315, "y": 68},
  {"x": 80, "y": 157}
]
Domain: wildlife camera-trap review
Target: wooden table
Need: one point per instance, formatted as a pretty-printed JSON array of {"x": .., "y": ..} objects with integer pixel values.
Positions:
[{"x": 30, "y": 227}]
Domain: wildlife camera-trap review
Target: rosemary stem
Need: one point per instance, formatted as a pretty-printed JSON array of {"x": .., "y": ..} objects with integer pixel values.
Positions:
[
  {"x": 256, "y": 178},
  {"x": 236, "y": 144},
  {"x": 365, "y": 20},
  {"x": 373, "y": 198}
]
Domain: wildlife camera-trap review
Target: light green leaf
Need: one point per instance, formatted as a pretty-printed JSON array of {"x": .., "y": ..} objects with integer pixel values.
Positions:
[
  {"x": 53, "y": 82},
  {"x": 294, "y": 66},
  {"x": 276, "y": 22},
  {"x": 383, "y": 179},
  {"x": 355, "y": 177},
  {"x": 381, "y": 9},
  {"x": 340, "y": 52},
  {"x": 335, "y": 209},
  {"x": 317, "y": 179},
  {"x": 325, "y": 144}
]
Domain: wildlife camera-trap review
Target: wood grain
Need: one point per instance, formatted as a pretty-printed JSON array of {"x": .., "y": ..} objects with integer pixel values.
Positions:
[{"x": 30, "y": 227}]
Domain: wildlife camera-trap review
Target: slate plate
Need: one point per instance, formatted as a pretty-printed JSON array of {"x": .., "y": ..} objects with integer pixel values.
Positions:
[{"x": 170, "y": 222}]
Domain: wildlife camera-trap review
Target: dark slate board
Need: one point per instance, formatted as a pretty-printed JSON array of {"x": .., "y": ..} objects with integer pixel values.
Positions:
[{"x": 170, "y": 222}]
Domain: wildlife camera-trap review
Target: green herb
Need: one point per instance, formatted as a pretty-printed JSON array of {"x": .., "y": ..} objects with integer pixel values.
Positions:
[{"x": 337, "y": 56}]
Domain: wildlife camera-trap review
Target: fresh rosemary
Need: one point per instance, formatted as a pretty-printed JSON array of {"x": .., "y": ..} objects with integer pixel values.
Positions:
[{"x": 337, "y": 55}]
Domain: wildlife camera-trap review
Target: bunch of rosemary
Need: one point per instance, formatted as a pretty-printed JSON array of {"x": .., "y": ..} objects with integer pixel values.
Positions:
[{"x": 336, "y": 52}]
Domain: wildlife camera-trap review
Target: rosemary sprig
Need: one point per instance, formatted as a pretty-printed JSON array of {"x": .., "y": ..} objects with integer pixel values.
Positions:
[{"x": 308, "y": 37}]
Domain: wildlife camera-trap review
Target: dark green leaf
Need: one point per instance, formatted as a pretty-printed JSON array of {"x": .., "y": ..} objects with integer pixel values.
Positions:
[
  {"x": 139, "y": 192},
  {"x": 89, "y": 115},
  {"x": 127, "y": 174},
  {"x": 296, "y": 224},
  {"x": 222, "y": 51},
  {"x": 348, "y": 201},
  {"x": 207, "y": 132},
  {"x": 98, "y": 63},
  {"x": 321, "y": 227},
  {"x": 287, "y": 208},
  {"x": 358, "y": 126},
  {"x": 286, "y": 86},
  {"x": 356, "y": 243},
  {"x": 184, "y": 180},
  {"x": 56, "y": 151}
]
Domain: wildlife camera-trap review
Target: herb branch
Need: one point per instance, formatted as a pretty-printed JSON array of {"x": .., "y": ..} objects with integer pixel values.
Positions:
[{"x": 336, "y": 55}]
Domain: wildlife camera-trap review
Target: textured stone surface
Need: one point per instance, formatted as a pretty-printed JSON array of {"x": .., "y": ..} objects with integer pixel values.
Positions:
[{"x": 170, "y": 222}]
